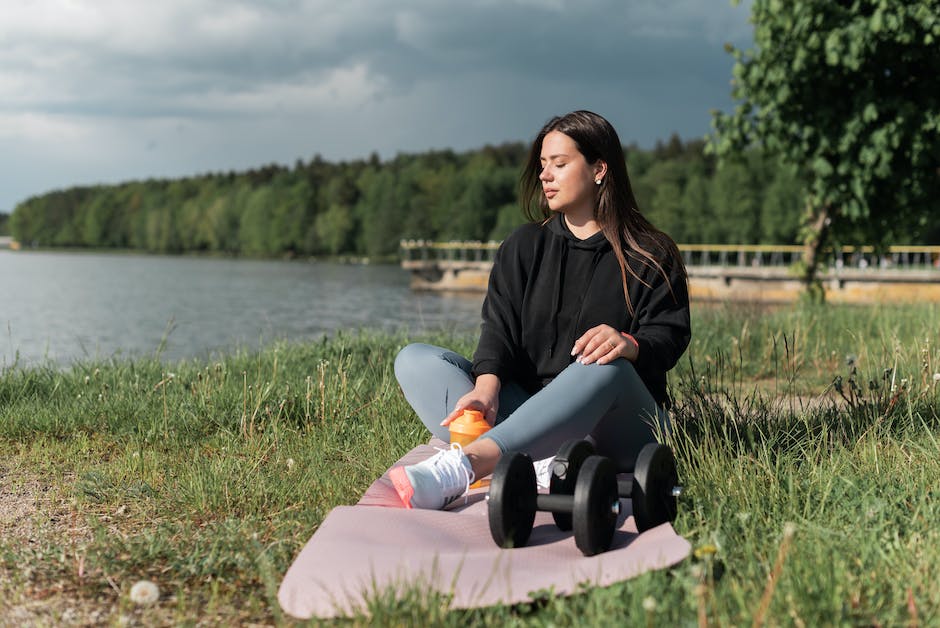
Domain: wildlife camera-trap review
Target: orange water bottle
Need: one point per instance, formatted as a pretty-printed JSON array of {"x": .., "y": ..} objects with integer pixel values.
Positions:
[{"x": 465, "y": 429}]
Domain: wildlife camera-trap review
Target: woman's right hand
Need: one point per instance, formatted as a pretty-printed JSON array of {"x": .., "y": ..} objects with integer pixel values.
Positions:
[{"x": 484, "y": 397}]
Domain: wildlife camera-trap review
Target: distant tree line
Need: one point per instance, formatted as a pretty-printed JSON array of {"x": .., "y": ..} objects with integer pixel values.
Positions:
[
  {"x": 4, "y": 224},
  {"x": 365, "y": 207}
]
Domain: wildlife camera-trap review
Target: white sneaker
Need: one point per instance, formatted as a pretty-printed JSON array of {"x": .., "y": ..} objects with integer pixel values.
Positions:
[
  {"x": 435, "y": 482},
  {"x": 543, "y": 472}
]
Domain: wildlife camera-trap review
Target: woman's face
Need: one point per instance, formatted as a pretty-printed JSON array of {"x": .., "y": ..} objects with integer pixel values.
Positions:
[{"x": 567, "y": 178}]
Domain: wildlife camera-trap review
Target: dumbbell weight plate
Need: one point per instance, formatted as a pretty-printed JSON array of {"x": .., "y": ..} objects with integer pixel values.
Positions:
[
  {"x": 654, "y": 478},
  {"x": 568, "y": 462},
  {"x": 596, "y": 503},
  {"x": 512, "y": 499}
]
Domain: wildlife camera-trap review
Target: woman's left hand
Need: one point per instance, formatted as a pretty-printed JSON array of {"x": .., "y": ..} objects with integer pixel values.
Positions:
[{"x": 603, "y": 344}]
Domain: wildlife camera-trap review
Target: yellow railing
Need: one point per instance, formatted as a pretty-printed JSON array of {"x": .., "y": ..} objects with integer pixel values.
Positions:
[
  {"x": 897, "y": 257},
  {"x": 454, "y": 250}
]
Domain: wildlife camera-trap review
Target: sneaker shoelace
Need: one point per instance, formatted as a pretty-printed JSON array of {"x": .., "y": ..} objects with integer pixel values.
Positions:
[{"x": 449, "y": 470}]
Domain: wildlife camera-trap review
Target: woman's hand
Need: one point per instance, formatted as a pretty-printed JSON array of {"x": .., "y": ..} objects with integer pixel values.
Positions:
[
  {"x": 484, "y": 397},
  {"x": 604, "y": 344}
]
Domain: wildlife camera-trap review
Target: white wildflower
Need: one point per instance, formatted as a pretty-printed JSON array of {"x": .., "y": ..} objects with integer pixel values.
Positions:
[
  {"x": 649, "y": 604},
  {"x": 145, "y": 593},
  {"x": 936, "y": 377},
  {"x": 290, "y": 464}
]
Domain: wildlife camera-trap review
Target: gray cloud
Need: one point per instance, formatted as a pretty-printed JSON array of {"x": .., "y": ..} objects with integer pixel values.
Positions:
[{"x": 106, "y": 90}]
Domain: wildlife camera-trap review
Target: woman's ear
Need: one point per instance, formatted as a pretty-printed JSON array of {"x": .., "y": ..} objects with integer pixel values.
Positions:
[{"x": 600, "y": 169}]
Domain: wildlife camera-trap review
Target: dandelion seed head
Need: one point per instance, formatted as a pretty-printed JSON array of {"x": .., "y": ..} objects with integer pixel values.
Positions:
[
  {"x": 144, "y": 593},
  {"x": 936, "y": 377},
  {"x": 290, "y": 464},
  {"x": 649, "y": 604}
]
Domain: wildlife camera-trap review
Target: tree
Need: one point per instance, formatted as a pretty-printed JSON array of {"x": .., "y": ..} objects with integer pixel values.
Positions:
[
  {"x": 735, "y": 197},
  {"x": 698, "y": 208},
  {"x": 664, "y": 181},
  {"x": 378, "y": 213},
  {"x": 847, "y": 93},
  {"x": 779, "y": 223}
]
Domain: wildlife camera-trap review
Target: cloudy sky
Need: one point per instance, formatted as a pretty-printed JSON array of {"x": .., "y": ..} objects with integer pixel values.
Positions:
[{"x": 98, "y": 91}]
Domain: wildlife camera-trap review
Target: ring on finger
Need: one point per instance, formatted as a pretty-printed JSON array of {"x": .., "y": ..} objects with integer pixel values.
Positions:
[{"x": 611, "y": 344}]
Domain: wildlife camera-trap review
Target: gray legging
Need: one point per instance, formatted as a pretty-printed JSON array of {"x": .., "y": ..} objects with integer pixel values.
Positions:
[{"x": 607, "y": 403}]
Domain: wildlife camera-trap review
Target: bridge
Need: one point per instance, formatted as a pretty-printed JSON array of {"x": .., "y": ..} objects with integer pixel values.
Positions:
[{"x": 719, "y": 272}]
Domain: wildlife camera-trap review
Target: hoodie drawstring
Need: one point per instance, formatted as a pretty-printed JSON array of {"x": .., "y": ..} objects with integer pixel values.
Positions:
[{"x": 556, "y": 297}]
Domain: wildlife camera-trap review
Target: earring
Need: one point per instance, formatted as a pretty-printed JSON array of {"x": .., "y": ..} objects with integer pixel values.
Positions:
[{"x": 597, "y": 181}]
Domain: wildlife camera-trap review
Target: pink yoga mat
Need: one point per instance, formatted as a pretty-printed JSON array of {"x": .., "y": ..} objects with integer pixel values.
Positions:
[{"x": 377, "y": 545}]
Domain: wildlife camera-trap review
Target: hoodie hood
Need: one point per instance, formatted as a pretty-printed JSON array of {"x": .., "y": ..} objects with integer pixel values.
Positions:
[{"x": 559, "y": 227}]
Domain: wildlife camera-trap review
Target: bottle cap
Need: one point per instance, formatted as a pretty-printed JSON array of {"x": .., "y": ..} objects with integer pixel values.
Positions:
[{"x": 468, "y": 426}]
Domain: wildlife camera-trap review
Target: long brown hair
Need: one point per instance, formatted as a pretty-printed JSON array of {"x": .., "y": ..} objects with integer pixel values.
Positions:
[{"x": 627, "y": 230}]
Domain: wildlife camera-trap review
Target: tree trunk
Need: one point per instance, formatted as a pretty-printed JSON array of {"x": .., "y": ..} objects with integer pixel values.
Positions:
[{"x": 817, "y": 232}]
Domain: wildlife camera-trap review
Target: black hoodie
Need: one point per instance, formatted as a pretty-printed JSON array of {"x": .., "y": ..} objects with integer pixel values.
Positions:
[{"x": 547, "y": 288}]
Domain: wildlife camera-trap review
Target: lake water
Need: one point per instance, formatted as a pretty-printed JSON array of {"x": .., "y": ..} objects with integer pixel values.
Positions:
[{"x": 63, "y": 307}]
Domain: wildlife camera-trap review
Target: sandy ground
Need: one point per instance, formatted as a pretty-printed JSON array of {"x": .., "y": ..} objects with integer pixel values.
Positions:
[{"x": 34, "y": 512}]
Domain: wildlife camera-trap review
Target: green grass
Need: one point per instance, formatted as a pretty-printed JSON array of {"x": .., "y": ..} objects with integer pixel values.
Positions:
[{"x": 207, "y": 478}]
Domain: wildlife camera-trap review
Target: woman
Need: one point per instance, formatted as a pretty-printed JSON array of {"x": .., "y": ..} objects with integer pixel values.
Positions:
[{"x": 586, "y": 310}]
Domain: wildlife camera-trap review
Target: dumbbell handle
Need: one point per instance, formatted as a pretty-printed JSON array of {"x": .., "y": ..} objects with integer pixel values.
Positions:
[
  {"x": 563, "y": 503},
  {"x": 554, "y": 503}
]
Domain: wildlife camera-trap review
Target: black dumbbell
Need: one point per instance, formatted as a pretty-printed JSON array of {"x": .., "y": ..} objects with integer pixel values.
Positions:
[
  {"x": 564, "y": 474},
  {"x": 655, "y": 487},
  {"x": 652, "y": 491},
  {"x": 593, "y": 505}
]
